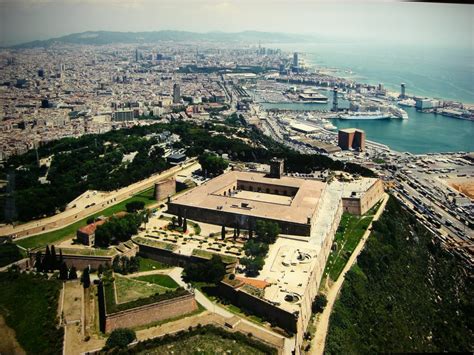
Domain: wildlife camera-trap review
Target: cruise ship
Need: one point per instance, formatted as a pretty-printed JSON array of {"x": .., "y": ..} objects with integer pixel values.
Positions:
[{"x": 365, "y": 115}]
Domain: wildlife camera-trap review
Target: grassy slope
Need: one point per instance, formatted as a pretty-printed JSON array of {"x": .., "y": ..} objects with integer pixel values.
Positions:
[
  {"x": 149, "y": 265},
  {"x": 405, "y": 294},
  {"x": 162, "y": 280},
  {"x": 204, "y": 344},
  {"x": 69, "y": 231},
  {"x": 129, "y": 289},
  {"x": 29, "y": 305}
]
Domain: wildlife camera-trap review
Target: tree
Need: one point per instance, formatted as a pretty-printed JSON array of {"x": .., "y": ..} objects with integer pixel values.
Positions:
[
  {"x": 255, "y": 248},
  {"x": 39, "y": 262},
  {"x": 54, "y": 260},
  {"x": 211, "y": 271},
  {"x": 267, "y": 232},
  {"x": 120, "y": 338},
  {"x": 212, "y": 164},
  {"x": 60, "y": 257},
  {"x": 117, "y": 230},
  {"x": 146, "y": 216},
  {"x": 173, "y": 222},
  {"x": 47, "y": 260},
  {"x": 100, "y": 269},
  {"x": 134, "y": 206},
  {"x": 180, "y": 219},
  {"x": 185, "y": 225},
  {"x": 85, "y": 278},
  {"x": 319, "y": 303},
  {"x": 63, "y": 272},
  {"x": 72, "y": 273},
  {"x": 252, "y": 265}
]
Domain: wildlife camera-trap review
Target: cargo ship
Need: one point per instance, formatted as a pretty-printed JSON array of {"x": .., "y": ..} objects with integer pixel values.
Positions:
[{"x": 362, "y": 115}]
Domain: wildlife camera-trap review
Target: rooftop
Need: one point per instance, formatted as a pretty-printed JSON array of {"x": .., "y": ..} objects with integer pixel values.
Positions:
[
  {"x": 297, "y": 200},
  {"x": 357, "y": 187},
  {"x": 90, "y": 228}
]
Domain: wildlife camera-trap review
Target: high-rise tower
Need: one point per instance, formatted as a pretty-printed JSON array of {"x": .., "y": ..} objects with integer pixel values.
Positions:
[
  {"x": 402, "y": 90},
  {"x": 176, "y": 94},
  {"x": 334, "y": 100},
  {"x": 295, "y": 59}
]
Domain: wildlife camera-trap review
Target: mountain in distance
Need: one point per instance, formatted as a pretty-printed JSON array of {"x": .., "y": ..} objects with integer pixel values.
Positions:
[{"x": 112, "y": 37}]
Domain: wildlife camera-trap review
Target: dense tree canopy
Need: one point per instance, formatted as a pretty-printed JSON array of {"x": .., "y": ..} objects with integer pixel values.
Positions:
[
  {"x": 406, "y": 294},
  {"x": 211, "y": 271},
  {"x": 118, "y": 229},
  {"x": 212, "y": 164},
  {"x": 120, "y": 338}
]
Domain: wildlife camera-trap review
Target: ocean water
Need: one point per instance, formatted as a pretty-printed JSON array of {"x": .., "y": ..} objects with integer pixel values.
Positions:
[
  {"x": 432, "y": 72},
  {"x": 421, "y": 133},
  {"x": 427, "y": 71}
]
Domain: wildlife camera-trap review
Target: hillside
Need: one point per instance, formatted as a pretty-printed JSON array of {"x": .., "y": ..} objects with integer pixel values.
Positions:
[
  {"x": 405, "y": 294},
  {"x": 109, "y": 37}
]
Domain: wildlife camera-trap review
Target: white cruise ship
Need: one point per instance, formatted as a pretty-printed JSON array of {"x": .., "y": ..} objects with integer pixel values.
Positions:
[{"x": 365, "y": 115}]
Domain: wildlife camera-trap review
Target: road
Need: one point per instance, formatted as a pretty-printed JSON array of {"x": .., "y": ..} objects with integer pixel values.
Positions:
[
  {"x": 322, "y": 322},
  {"x": 102, "y": 201}
]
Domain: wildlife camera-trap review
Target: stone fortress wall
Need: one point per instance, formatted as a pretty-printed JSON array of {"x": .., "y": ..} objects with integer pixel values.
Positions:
[{"x": 151, "y": 313}]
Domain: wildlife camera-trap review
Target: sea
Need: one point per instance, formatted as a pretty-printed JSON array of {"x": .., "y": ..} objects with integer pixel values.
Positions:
[{"x": 427, "y": 71}]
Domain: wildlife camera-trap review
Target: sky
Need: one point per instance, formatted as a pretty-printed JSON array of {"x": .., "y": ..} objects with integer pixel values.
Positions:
[{"x": 404, "y": 22}]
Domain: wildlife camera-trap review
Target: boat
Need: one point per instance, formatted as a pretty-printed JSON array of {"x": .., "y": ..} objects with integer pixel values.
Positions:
[
  {"x": 407, "y": 103},
  {"x": 313, "y": 98},
  {"x": 365, "y": 115},
  {"x": 329, "y": 127},
  {"x": 398, "y": 113}
]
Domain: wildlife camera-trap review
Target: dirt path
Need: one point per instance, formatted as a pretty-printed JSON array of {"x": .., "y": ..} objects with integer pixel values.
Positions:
[
  {"x": 322, "y": 321},
  {"x": 72, "y": 215},
  {"x": 8, "y": 342},
  {"x": 151, "y": 272}
]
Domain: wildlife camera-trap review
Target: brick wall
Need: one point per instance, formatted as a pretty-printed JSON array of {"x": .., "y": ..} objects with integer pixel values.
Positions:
[
  {"x": 231, "y": 219},
  {"x": 147, "y": 314},
  {"x": 80, "y": 262}
]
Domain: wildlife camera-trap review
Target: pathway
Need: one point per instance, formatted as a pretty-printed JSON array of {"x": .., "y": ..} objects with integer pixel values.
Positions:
[
  {"x": 72, "y": 215},
  {"x": 322, "y": 321},
  {"x": 255, "y": 329}
]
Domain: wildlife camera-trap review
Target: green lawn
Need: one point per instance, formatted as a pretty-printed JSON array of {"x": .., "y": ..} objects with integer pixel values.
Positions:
[
  {"x": 29, "y": 305},
  {"x": 208, "y": 255},
  {"x": 155, "y": 243},
  {"x": 89, "y": 251},
  {"x": 129, "y": 289},
  {"x": 44, "y": 239},
  {"x": 350, "y": 231},
  {"x": 149, "y": 265},
  {"x": 162, "y": 280}
]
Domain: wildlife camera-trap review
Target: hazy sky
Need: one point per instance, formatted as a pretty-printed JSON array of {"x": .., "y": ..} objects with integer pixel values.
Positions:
[{"x": 26, "y": 20}]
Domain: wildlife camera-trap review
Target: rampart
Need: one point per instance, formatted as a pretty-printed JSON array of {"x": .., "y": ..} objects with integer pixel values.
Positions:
[{"x": 150, "y": 313}]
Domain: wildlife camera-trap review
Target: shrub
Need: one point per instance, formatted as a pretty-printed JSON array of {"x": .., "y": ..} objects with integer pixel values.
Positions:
[
  {"x": 120, "y": 338},
  {"x": 320, "y": 301}
]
